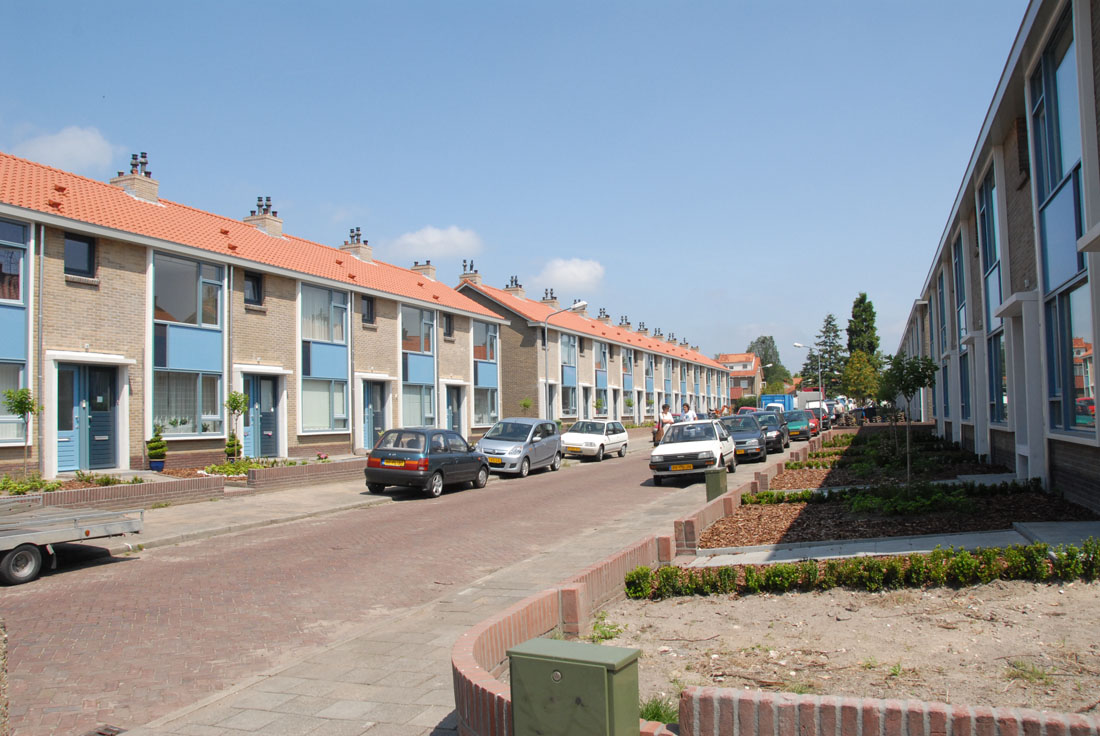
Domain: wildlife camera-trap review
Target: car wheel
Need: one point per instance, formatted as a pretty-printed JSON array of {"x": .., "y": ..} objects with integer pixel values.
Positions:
[
  {"x": 21, "y": 565},
  {"x": 787, "y": 441},
  {"x": 656, "y": 480},
  {"x": 435, "y": 485},
  {"x": 556, "y": 465},
  {"x": 375, "y": 487},
  {"x": 733, "y": 464},
  {"x": 482, "y": 477},
  {"x": 599, "y": 454},
  {"x": 622, "y": 450},
  {"x": 525, "y": 467}
]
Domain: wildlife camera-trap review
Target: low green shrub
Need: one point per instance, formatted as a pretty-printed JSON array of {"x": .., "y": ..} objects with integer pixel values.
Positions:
[
  {"x": 780, "y": 577},
  {"x": 767, "y": 498},
  {"x": 639, "y": 582},
  {"x": 33, "y": 483},
  {"x": 754, "y": 582},
  {"x": 235, "y": 467},
  {"x": 669, "y": 583},
  {"x": 659, "y": 709}
]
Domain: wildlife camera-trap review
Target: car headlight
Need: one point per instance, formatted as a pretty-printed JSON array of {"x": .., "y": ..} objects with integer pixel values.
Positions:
[
  {"x": 708, "y": 455},
  {"x": 751, "y": 443},
  {"x": 515, "y": 451},
  {"x": 657, "y": 459},
  {"x": 589, "y": 444},
  {"x": 773, "y": 433}
]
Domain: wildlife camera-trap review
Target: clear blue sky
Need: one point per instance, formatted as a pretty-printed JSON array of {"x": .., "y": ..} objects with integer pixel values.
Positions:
[{"x": 720, "y": 170}]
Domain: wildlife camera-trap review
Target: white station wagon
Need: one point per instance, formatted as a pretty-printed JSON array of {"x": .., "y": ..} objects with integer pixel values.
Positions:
[
  {"x": 595, "y": 438},
  {"x": 692, "y": 447}
]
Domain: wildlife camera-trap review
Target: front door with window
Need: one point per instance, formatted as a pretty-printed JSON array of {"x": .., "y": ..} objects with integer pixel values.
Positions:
[
  {"x": 586, "y": 393},
  {"x": 374, "y": 412},
  {"x": 86, "y": 417},
  {"x": 454, "y": 409},
  {"x": 261, "y": 421}
]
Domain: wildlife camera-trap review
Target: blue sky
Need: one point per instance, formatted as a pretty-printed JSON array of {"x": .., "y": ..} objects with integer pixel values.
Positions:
[{"x": 720, "y": 170}]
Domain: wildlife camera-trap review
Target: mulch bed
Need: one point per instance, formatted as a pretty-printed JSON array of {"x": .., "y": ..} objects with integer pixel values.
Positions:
[
  {"x": 182, "y": 472},
  {"x": 819, "y": 522},
  {"x": 790, "y": 480}
]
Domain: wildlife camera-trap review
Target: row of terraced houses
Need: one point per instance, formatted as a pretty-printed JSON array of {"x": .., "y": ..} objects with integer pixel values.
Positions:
[
  {"x": 1008, "y": 311},
  {"x": 124, "y": 312}
]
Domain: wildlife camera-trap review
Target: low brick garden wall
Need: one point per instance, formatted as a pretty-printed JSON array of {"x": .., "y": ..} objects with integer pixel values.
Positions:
[
  {"x": 135, "y": 495},
  {"x": 268, "y": 479}
]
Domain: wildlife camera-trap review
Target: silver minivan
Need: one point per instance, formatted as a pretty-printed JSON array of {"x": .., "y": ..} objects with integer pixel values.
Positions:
[{"x": 521, "y": 444}]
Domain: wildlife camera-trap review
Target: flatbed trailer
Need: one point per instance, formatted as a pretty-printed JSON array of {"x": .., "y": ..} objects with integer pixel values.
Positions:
[{"x": 28, "y": 532}]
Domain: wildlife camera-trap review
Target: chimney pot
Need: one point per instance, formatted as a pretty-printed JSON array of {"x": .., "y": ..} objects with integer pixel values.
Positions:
[
  {"x": 426, "y": 269},
  {"x": 139, "y": 182},
  {"x": 263, "y": 219}
]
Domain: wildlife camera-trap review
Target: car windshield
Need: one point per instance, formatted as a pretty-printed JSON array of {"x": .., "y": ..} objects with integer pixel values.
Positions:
[
  {"x": 689, "y": 433},
  {"x": 734, "y": 424},
  {"x": 796, "y": 416},
  {"x": 400, "y": 439},
  {"x": 816, "y": 411},
  {"x": 587, "y": 428},
  {"x": 509, "y": 432},
  {"x": 768, "y": 420}
]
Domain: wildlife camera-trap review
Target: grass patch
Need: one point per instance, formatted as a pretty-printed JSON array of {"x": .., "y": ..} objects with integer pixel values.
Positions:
[
  {"x": 602, "y": 630},
  {"x": 1018, "y": 669},
  {"x": 657, "y": 708}
]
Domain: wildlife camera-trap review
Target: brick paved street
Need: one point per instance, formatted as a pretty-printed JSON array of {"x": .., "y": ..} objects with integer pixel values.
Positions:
[{"x": 126, "y": 641}]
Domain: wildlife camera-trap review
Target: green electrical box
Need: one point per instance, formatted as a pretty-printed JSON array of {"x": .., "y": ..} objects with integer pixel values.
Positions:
[
  {"x": 716, "y": 483},
  {"x": 569, "y": 688}
]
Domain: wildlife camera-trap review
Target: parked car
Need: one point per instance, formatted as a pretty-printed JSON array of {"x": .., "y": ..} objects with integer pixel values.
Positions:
[
  {"x": 520, "y": 444},
  {"x": 595, "y": 438},
  {"x": 749, "y": 438},
  {"x": 775, "y": 429},
  {"x": 798, "y": 424},
  {"x": 815, "y": 425},
  {"x": 822, "y": 417},
  {"x": 746, "y": 410},
  {"x": 692, "y": 447},
  {"x": 425, "y": 458}
]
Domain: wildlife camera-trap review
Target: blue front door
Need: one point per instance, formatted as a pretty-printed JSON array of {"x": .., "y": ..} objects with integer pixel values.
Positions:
[
  {"x": 374, "y": 417},
  {"x": 261, "y": 421},
  {"x": 86, "y": 431}
]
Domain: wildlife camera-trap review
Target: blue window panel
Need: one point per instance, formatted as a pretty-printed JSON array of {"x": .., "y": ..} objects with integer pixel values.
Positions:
[
  {"x": 649, "y": 384},
  {"x": 328, "y": 360},
  {"x": 419, "y": 368},
  {"x": 683, "y": 387},
  {"x": 485, "y": 374},
  {"x": 194, "y": 349},
  {"x": 696, "y": 389},
  {"x": 628, "y": 382},
  {"x": 668, "y": 386},
  {"x": 601, "y": 379},
  {"x": 569, "y": 375},
  {"x": 13, "y": 333},
  {"x": 1058, "y": 222}
]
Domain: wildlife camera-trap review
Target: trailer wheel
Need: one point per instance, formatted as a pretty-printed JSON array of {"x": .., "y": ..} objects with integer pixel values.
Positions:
[{"x": 21, "y": 565}]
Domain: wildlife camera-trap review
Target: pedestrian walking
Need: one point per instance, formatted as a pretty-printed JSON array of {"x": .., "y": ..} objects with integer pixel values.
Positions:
[
  {"x": 664, "y": 421},
  {"x": 688, "y": 414}
]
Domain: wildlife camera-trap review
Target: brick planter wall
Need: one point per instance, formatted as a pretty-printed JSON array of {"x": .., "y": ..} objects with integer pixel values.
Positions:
[
  {"x": 266, "y": 479},
  {"x": 136, "y": 495},
  {"x": 710, "y": 710}
]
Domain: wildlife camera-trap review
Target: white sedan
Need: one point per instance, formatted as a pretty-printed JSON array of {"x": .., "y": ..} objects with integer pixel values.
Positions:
[
  {"x": 692, "y": 447},
  {"x": 595, "y": 438}
]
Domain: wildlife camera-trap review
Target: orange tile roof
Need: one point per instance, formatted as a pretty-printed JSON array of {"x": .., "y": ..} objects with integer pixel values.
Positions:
[
  {"x": 537, "y": 311},
  {"x": 33, "y": 186},
  {"x": 725, "y": 358}
]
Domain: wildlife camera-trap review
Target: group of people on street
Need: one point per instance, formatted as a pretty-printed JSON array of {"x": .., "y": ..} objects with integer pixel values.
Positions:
[{"x": 666, "y": 420}]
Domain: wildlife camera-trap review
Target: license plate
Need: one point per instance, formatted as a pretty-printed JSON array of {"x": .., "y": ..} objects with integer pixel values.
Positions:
[
  {"x": 572, "y": 449},
  {"x": 394, "y": 463},
  {"x": 680, "y": 467},
  {"x": 740, "y": 452},
  {"x": 496, "y": 461},
  {"x": 795, "y": 433}
]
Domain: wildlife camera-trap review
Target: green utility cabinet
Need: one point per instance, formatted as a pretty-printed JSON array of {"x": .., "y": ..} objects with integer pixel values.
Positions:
[
  {"x": 569, "y": 688},
  {"x": 716, "y": 482}
]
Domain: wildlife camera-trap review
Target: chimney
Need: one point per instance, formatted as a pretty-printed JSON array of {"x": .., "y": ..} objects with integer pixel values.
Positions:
[
  {"x": 139, "y": 182},
  {"x": 643, "y": 330},
  {"x": 684, "y": 343},
  {"x": 695, "y": 348},
  {"x": 581, "y": 312},
  {"x": 356, "y": 246},
  {"x": 469, "y": 274},
  {"x": 624, "y": 323},
  {"x": 425, "y": 269},
  {"x": 515, "y": 288},
  {"x": 549, "y": 299},
  {"x": 264, "y": 218},
  {"x": 671, "y": 338},
  {"x": 603, "y": 316}
]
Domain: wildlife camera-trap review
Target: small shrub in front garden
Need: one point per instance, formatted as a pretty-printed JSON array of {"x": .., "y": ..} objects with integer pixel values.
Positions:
[
  {"x": 668, "y": 582},
  {"x": 33, "y": 483},
  {"x": 639, "y": 582}
]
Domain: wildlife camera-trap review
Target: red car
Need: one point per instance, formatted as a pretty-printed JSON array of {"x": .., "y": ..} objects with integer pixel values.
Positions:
[
  {"x": 815, "y": 426},
  {"x": 746, "y": 410}
]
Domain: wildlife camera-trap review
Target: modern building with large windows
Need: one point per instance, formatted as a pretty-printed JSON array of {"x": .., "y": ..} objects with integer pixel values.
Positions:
[
  {"x": 585, "y": 367},
  {"x": 1008, "y": 311},
  {"x": 124, "y": 313}
]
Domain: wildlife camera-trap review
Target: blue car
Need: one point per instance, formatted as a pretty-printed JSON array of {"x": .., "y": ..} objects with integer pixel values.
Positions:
[{"x": 425, "y": 458}]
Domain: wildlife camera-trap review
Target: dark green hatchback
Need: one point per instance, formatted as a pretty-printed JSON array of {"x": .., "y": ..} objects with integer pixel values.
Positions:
[{"x": 798, "y": 423}]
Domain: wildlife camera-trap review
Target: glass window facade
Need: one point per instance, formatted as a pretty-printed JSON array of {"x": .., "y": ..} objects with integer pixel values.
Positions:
[
  {"x": 324, "y": 405},
  {"x": 324, "y": 314},
  {"x": 485, "y": 406},
  {"x": 186, "y": 291},
  {"x": 485, "y": 342},
  {"x": 998, "y": 380},
  {"x": 79, "y": 255},
  {"x": 187, "y": 403},
  {"x": 11, "y": 379}
]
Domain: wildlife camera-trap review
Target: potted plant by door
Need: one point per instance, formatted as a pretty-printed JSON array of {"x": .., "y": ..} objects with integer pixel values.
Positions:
[{"x": 156, "y": 449}]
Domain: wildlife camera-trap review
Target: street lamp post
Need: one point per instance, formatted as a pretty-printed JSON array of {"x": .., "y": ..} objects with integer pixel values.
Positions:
[
  {"x": 820, "y": 385},
  {"x": 546, "y": 352}
]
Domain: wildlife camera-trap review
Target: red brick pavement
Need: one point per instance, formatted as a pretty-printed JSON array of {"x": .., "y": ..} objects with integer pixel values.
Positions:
[{"x": 126, "y": 641}]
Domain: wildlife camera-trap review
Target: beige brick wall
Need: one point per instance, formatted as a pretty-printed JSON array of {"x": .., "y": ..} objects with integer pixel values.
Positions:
[
  {"x": 1020, "y": 238},
  {"x": 108, "y": 317},
  {"x": 454, "y": 352},
  {"x": 520, "y": 360},
  {"x": 975, "y": 306}
]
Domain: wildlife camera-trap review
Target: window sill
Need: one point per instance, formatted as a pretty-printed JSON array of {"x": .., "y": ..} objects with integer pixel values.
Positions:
[
  {"x": 211, "y": 436},
  {"x": 82, "y": 280},
  {"x": 258, "y": 308},
  {"x": 1080, "y": 437},
  {"x": 372, "y": 326},
  {"x": 448, "y": 339},
  {"x": 315, "y": 432}
]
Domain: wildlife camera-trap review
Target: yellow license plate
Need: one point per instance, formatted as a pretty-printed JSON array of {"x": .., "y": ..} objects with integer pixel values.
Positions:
[
  {"x": 394, "y": 463},
  {"x": 740, "y": 452},
  {"x": 680, "y": 467},
  {"x": 572, "y": 449},
  {"x": 795, "y": 432},
  {"x": 496, "y": 461}
]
